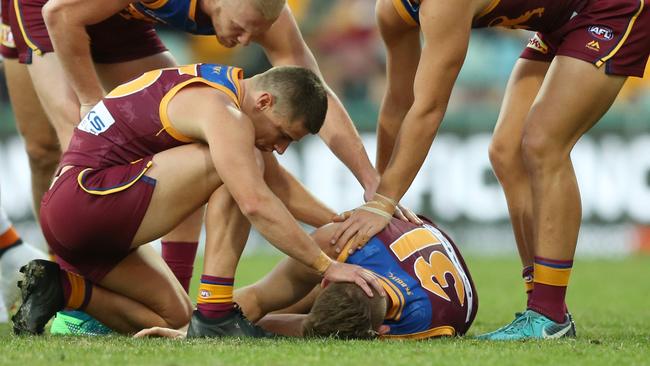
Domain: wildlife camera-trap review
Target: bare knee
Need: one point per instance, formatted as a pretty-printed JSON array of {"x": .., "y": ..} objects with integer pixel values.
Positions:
[
  {"x": 177, "y": 312},
  {"x": 540, "y": 151},
  {"x": 43, "y": 154},
  {"x": 505, "y": 156}
]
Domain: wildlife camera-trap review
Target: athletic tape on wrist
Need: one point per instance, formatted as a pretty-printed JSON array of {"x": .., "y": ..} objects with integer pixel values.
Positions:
[{"x": 322, "y": 263}]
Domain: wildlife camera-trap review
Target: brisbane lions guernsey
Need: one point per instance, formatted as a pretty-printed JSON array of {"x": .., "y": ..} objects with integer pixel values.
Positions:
[
  {"x": 538, "y": 15},
  {"x": 185, "y": 15},
  {"x": 131, "y": 122},
  {"x": 424, "y": 276}
]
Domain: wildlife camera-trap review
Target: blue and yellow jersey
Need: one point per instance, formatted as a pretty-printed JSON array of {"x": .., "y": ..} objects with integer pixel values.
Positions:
[
  {"x": 430, "y": 289},
  {"x": 538, "y": 15},
  {"x": 131, "y": 122},
  {"x": 180, "y": 14}
]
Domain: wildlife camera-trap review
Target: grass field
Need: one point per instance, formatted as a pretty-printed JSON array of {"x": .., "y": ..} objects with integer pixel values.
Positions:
[{"x": 610, "y": 301}]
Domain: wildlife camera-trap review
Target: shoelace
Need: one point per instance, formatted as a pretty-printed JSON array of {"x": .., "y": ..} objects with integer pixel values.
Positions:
[{"x": 517, "y": 326}]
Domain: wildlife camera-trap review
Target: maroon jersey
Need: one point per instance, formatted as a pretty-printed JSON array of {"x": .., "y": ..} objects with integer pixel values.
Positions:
[
  {"x": 131, "y": 122},
  {"x": 539, "y": 15},
  {"x": 425, "y": 277}
]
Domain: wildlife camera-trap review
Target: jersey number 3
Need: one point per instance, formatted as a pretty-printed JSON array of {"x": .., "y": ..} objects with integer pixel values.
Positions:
[{"x": 437, "y": 266}]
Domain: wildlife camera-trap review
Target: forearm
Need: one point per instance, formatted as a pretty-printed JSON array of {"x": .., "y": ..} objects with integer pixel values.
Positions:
[
  {"x": 289, "y": 325},
  {"x": 411, "y": 148},
  {"x": 391, "y": 115},
  {"x": 341, "y": 136}
]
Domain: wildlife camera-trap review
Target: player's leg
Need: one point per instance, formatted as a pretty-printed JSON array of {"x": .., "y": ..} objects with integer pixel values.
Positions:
[
  {"x": 155, "y": 300},
  {"x": 41, "y": 143},
  {"x": 506, "y": 158}
]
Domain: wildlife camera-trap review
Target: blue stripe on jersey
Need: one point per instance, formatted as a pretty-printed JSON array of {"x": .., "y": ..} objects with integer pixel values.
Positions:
[
  {"x": 217, "y": 73},
  {"x": 413, "y": 9},
  {"x": 417, "y": 313},
  {"x": 176, "y": 14}
]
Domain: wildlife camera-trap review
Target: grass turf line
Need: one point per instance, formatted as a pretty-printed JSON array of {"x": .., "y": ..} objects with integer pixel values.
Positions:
[{"x": 609, "y": 300}]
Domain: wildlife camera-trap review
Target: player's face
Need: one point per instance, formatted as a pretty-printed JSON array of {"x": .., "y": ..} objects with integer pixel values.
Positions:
[
  {"x": 277, "y": 133},
  {"x": 239, "y": 23}
]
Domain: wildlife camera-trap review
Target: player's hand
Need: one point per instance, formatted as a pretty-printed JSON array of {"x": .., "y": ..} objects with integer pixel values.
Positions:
[
  {"x": 358, "y": 227},
  {"x": 406, "y": 214},
  {"x": 160, "y": 332},
  {"x": 343, "y": 272}
]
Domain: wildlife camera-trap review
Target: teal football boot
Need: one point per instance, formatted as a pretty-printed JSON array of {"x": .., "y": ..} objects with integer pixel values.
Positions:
[
  {"x": 532, "y": 325},
  {"x": 77, "y": 323}
]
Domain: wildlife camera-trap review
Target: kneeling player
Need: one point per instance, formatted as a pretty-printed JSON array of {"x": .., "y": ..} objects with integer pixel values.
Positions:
[
  {"x": 430, "y": 291},
  {"x": 149, "y": 154}
]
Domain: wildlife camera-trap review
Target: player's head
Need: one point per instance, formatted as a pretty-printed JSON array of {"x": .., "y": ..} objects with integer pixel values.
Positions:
[
  {"x": 343, "y": 310},
  {"x": 238, "y": 21},
  {"x": 288, "y": 102}
]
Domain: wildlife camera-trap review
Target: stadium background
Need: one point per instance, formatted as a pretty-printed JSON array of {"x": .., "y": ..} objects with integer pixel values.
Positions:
[{"x": 456, "y": 186}]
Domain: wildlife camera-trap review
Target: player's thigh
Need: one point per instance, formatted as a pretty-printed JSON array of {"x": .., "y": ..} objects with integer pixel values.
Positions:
[
  {"x": 185, "y": 178},
  {"x": 525, "y": 81},
  {"x": 573, "y": 97},
  {"x": 57, "y": 97},
  {"x": 31, "y": 120},
  {"x": 115, "y": 74},
  {"x": 144, "y": 277}
]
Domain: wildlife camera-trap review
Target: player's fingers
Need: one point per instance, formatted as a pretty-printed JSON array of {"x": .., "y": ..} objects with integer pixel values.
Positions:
[
  {"x": 361, "y": 282},
  {"x": 374, "y": 282},
  {"x": 400, "y": 214},
  {"x": 154, "y": 331},
  {"x": 345, "y": 237},
  {"x": 342, "y": 216},
  {"x": 339, "y": 231}
]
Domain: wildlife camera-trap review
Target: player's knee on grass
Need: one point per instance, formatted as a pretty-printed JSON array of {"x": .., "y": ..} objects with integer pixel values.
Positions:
[{"x": 343, "y": 310}]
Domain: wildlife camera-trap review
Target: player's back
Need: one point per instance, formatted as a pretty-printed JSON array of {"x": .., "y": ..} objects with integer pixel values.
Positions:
[
  {"x": 131, "y": 122},
  {"x": 180, "y": 14},
  {"x": 425, "y": 277}
]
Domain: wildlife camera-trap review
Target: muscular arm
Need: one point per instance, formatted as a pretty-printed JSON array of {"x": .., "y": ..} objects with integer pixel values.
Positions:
[
  {"x": 300, "y": 202},
  {"x": 446, "y": 27},
  {"x": 284, "y": 45},
  {"x": 66, "y": 22}
]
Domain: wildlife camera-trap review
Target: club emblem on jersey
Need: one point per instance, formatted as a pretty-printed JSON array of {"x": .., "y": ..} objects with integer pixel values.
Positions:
[
  {"x": 601, "y": 33},
  {"x": 205, "y": 294},
  {"x": 593, "y": 45},
  {"x": 537, "y": 44}
]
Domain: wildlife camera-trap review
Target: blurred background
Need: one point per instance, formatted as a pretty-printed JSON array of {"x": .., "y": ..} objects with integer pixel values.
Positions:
[{"x": 456, "y": 186}]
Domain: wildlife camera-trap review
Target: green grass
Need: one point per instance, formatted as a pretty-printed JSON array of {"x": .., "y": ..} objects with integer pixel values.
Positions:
[{"x": 610, "y": 301}]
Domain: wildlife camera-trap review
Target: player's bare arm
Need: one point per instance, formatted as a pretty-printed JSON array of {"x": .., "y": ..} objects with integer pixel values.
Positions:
[
  {"x": 284, "y": 45},
  {"x": 446, "y": 27},
  {"x": 66, "y": 22},
  {"x": 230, "y": 134}
]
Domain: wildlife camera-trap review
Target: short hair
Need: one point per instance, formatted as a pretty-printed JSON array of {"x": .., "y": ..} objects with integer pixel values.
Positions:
[
  {"x": 299, "y": 94},
  {"x": 343, "y": 310},
  {"x": 270, "y": 9}
]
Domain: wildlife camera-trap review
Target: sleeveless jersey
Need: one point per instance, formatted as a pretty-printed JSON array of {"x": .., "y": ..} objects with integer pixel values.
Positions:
[
  {"x": 131, "y": 122},
  {"x": 425, "y": 277},
  {"x": 537, "y": 15},
  {"x": 180, "y": 14}
]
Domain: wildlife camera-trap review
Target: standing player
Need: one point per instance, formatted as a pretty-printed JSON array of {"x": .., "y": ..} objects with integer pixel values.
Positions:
[
  {"x": 124, "y": 182},
  {"x": 430, "y": 290},
  {"x": 565, "y": 80}
]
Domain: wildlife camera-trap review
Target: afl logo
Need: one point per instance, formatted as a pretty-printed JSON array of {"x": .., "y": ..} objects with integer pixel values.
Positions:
[
  {"x": 205, "y": 294},
  {"x": 601, "y": 33}
]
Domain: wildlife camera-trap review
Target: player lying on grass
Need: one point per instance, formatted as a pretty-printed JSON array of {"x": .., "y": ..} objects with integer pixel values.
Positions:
[
  {"x": 430, "y": 290},
  {"x": 151, "y": 153}
]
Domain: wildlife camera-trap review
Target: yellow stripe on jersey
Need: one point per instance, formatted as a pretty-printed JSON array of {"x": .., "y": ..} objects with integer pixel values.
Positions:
[
  {"x": 28, "y": 41},
  {"x": 156, "y": 4},
  {"x": 493, "y": 4},
  {"x": 135, "y": 85},
  {"x": 413, "y": 241},
  {"x": 234, "y": 76},
  {"x": 100, "y": 192},
  {"x": 188, "y": 70},
  {"x": 600, "y": 62},
  {"x": 396, "y": 296},
  {"x": 192, "y": 11},
  {"x": 444, "y": 330},
  {"x": 403, "y": 13}
]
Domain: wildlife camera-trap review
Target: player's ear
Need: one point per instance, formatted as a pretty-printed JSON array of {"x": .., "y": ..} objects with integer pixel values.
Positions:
[
  {"x": 383, "y": 329},
  {"x": 264, "y": 101}
]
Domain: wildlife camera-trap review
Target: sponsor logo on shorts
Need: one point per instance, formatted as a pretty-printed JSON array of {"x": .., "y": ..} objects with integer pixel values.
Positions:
[
  {"x": 537, "y": 44},
  {"x": 6, "y": 37},
  {"x": 98, "y": 120},
  {"x": 205, "y": 294},
  {"x": 593, "y": 45},
  {"x": 601, "y": 33}
]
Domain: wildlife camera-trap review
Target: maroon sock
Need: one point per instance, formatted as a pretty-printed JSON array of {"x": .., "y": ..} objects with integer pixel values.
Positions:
[
  {"x": 549, "y": 292},
  {"x": 215, "y": 296},
  {"x": 77, "y": 290},
  {"x": 180, "y": 256}
]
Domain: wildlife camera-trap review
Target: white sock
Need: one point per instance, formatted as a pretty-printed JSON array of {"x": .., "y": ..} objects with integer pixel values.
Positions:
[{"x": 10, "y": 263}]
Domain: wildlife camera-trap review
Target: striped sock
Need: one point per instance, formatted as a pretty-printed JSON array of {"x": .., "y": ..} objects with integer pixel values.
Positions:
[
  {"x": 215, "y": 296},
  {"x": 179, "y": 256},
  {"x": 550, "y": 283},
  {"x": 528, "y": 275},
  {"x": 76, "y": 290},
  {"x": 9, "y": 239}
]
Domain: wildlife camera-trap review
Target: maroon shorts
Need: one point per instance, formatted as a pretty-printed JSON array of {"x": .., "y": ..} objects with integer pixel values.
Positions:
[
  {"x": 610, "y": 33},
  {"x": 7, "y": 45},
  {"x": 113, "y": 40},
  {"x": 90, "y": 217}
]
